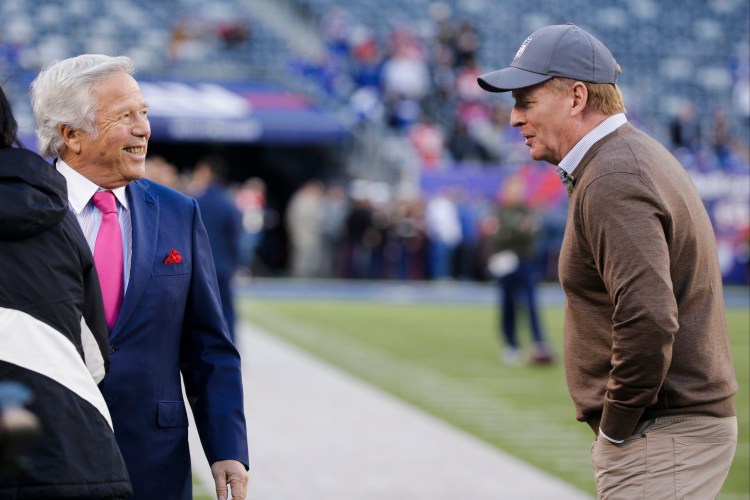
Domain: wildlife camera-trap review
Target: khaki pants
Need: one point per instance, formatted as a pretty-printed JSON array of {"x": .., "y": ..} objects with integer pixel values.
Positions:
[{"x": 685, "y": 457}]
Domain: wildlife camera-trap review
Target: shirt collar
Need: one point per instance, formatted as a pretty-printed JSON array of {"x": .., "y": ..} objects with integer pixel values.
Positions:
[
  {"x": 575, "y": 155},
  {"x": 81, "y": 189}
]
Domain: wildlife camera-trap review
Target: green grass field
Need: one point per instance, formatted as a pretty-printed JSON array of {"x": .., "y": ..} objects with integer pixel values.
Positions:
[{"x": 445, "y": 360}]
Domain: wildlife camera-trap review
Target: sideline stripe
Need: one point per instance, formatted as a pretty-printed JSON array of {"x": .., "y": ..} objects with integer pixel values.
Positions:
[{"x": 31, "y": 344}]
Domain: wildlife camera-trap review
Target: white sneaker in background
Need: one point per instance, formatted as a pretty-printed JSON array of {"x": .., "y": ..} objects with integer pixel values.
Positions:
[{"x": 511, "y": 356}]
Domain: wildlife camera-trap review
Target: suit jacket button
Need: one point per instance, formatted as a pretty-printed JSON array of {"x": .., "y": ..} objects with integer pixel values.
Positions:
[{"x": 112, "y": 348}]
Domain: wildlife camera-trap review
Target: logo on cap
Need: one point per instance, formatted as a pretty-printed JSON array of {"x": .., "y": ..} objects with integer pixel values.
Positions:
[{"x": 522, "y": 48}]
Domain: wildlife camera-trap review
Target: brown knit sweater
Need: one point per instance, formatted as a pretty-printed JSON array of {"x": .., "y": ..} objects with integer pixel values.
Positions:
[{"x": 645, "y": 331}]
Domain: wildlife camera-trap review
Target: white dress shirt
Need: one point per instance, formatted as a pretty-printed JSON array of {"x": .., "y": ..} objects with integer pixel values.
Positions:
[{"x": 80, "y": 191}]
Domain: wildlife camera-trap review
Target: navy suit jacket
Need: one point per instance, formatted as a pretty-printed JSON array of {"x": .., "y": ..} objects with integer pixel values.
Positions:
[
  {"x": 170, "y": 323},
  {"x": 223, "y": 224}
]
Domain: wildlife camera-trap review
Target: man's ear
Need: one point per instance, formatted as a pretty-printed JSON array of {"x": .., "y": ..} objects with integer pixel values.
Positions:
[
  {"x": 580, "y": 98},
  {"x": 71, "y": 137}
]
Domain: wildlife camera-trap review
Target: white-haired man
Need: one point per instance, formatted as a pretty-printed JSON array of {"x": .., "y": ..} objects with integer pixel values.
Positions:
[{"x": 157, "y": 277}]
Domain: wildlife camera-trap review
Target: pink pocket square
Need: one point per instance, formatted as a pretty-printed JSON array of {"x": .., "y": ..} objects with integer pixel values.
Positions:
[{"x": 174, "y": 257}]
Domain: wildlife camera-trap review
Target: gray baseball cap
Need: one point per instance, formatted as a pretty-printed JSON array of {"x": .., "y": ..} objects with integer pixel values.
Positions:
[{"x": 559, "y": 50}]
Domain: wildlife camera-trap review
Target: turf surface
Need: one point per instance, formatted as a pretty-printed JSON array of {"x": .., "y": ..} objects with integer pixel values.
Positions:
[{"x": 445, "y": 360}]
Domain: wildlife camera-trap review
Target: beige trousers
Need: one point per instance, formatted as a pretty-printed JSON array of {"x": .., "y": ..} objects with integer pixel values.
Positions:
[{"x": 685, "y": 457}]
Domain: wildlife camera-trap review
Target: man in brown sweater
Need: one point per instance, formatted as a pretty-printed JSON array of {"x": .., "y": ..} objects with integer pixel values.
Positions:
[{"x": 646, "y": 348}]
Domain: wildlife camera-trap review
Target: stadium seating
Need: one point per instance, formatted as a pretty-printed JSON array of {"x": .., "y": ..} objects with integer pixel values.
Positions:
[{"x": 671, "y": 51}]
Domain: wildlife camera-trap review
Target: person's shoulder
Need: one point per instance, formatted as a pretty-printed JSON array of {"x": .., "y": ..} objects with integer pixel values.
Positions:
[
  {"x": 637, "y": 140},
  {"x": 163, "y": 193},
  {"x": 624, "y": 149}
]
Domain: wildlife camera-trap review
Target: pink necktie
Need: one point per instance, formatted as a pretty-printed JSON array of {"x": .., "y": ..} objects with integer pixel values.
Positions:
[{"x": 108, "y": 256}]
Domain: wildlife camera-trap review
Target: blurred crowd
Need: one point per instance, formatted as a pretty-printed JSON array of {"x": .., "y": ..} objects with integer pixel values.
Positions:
[
  {"x": 365, "y": 230},
  {"x": 37, "y": 33},
  {"x": 422, "y": 87},
  {"x": 414, "y": 77},
  {"x": 414, "y": 80},
  {"x": 192, "y": 38},
  {"x": 419, "y": 81}
]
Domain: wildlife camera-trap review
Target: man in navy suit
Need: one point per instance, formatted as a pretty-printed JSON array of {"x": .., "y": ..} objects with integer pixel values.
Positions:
[
  {"x": 92, "y": 117},
  {"x": 223, "y": 225}
]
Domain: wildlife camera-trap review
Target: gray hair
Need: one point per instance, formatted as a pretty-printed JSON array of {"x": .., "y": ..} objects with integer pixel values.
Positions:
[{"x": 61, "y": 95}]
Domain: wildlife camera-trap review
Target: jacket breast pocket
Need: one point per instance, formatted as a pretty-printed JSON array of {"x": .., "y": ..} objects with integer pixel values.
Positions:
[
  {"x": 171, "y": 414},
  {"x": 161, "y": 269}
]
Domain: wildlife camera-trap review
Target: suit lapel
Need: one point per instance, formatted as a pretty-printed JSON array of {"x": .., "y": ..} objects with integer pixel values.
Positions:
[{"x": 144, "y": 210}]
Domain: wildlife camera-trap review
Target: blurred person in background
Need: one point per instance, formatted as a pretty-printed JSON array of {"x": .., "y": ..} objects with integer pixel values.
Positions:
[
  {"x": 515, "y": 241},
  {"x": 335, "y": 209},
  {"x": 443, "y": 228},
  {"x": 234, "y": 33},
  {"x": 428, "y": 140},
  {"x": 158, "y": 169},
  {"x": 250, "y": 200},
  {"x": 471, "y": 209},
  {"x": 646, "y": 351},
  {"x": 684, "y": 129},
  {"x": 463, "y": 146},
  {"x": 405, "y": 80},
  {"x": 721, "y": 139},
  {"x": 492, "y": 134},
  {"x": 162, "y": 303},
  {"x": 471, "y": 105},
  {"x": 53, "y": 335},
  {"x": 223, "y": 225},
  {"x": 304, "y": 222},
  {"x": 361, "y": 237},
  {"x": 467, "y": 42},
  {"x": 410, "y": 232}
]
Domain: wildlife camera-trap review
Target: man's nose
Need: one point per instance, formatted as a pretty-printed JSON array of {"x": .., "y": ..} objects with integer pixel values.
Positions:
[
  {"x": 142, "y": 127},
  {"x": 516, "y": 117}
]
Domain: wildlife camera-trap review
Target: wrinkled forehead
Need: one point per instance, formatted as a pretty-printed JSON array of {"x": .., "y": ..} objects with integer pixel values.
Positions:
[
  {"x": 119, "y": 82},
  {"x": 119, "y": 89}
]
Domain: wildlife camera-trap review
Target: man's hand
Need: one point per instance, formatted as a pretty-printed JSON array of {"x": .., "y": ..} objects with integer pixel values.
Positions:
[{"x": 232, "y": 473}]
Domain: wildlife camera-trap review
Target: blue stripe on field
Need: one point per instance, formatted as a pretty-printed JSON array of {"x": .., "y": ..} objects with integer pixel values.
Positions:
[{"x": 443, "y": 292}]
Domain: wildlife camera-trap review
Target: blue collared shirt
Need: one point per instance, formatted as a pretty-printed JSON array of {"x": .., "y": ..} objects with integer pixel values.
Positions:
[{"x": 575, "y": 155}]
